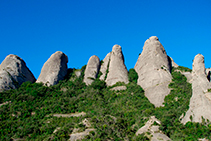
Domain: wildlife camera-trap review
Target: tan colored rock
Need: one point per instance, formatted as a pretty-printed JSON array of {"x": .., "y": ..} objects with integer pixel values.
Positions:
[
  {"x": 200, "y": 104},
  {"x": 81, "y": 135},
  {"x": 153, "y": 130},
  {"x": 173, "y": 64},
  {"x": 92, "y": 70},
  {"x": 54, "y": 69},
  {"x": 119, "y": 88},
  {"x": 69, "y": 115},
  {"x": 117, "y": 69},
  {"x": 13, "y": 72},
  {"x": 153, "y": 68},
  {"x": 104, "y": 66},
  {"x": 188, "y": 75},
  {"x": 208, "y": 73}
]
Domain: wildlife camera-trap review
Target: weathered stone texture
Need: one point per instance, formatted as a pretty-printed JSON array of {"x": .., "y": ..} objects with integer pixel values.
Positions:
[
  {"x": 54, "y": 69},
  {"x": 200, "y": 102},
  {"x": 104, "y": 66},
  {"x": 13, "y": 72},
  {"x": 117, "y": 69},
  {"x": 153, "y": 68},
  {"x": 92, "y": 69},
  {"x": 154, "y": 133}
]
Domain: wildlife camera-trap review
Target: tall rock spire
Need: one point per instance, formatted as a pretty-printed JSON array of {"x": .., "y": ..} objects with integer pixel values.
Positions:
[
  {"x": 92, "y": 69},
  {"x": 117, "y": 71},
  {"x": 153, "y": 68},
  {"x": 200, "y": 102}
]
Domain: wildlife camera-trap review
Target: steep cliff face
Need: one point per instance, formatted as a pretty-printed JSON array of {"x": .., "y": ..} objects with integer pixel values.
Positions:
[
  {"x": 92, "y": 69},
  {"x": 13, "y": 72},
  {"x": 153, "y": 68},
  {"x": 54, "y": 69},
  {"x": 200, "y": 102},
  {"x": 117, "y": 71}
]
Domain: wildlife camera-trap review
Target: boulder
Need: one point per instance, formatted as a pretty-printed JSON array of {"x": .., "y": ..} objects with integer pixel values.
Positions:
[
  {"x": 13, "y": 72},
  {"x": 104, "y": 66},
  {"x": 154, "y": 134},
  {"x": 200, "y": 103},
  {"x": 153, "y": 68},
  {"x": 119, "y": 88},
  {"x": 54, "y": 69},
  {"x": 117, "y": 71},
  {"x": 92, "y": 69}
]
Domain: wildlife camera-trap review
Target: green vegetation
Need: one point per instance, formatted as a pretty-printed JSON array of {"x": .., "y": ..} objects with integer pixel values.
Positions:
[
  {"x": 183, "y": 69},
  {"x": 114, "y": 116},
  {"x": 132, "y": 75}
]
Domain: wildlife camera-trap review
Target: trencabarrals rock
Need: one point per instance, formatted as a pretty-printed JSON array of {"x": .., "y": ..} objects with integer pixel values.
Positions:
[
  {"x": 117, "y": 69},
  {"x": 92, "y": 69},
  {"x": 153, "y": 68},
  {"x": 54, "y": 69},
  {"x": 13, "y": 72},
  {"x": 200, "y": 102}
]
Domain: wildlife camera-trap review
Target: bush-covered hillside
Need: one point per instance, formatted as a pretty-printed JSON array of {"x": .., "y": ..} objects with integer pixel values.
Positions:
[{"x": 115, "y": 115}]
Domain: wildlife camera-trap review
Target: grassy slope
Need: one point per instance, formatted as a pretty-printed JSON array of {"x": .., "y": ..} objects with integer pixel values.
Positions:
[{"x": 114, "y": 116}]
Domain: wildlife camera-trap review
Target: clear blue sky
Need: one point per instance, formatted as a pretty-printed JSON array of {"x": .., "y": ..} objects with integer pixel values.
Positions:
[{"x": 35, "y": 29}]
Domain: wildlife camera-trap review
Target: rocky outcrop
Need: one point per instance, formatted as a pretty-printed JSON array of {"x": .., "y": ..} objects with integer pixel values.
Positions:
[
  {"x": 200, "y": 102},
  {"x": 153, "y": 68},
  {"x": 119, "y": 88},
  {"x": 117, "y": 69},
  {"x": 54, "y": 69},
  {"x": 92, "y": 69},
  {"x": 208, "y": 73},
  {"x": 13, "y": 72},
  {"x": 154, "y": 134},
  {"x": 104, "y": 66},
  {"x": 173, "y": 64}
]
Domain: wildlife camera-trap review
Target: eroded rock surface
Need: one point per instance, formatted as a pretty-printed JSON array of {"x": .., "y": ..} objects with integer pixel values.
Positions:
[
  {"x": 173, "y": 64},
  {"x": 92, "y": 69},
  {"x": 117, "y": 69},
  {"x": 153, "y": 68},
  {"x": 200, "y": 103},
  {"x": 104, "y": 66},
  {"x": 54, "y": 69},
  {"x": 13, "y": 72},
  {"x": 153, "y": 130}
]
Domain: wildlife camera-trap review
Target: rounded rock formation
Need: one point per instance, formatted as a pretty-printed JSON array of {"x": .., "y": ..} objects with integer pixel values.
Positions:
[
  {"x": 117, "y": 71},
  {"x": 92, "y": 69},
  {"x": 153, "y": 68},
  {"x": 54, "y": 69},
  {"x": 13, "y": 72}
]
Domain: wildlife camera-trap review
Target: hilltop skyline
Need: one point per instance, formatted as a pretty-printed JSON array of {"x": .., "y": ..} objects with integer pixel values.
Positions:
[{"x": 34, "y": 30}]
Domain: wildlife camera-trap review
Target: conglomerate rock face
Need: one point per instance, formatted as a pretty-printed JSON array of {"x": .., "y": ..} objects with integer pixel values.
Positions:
[
  {"x": 153, "y": 68},
  {"x": 54, "y": 69},
  {"x": 92, "y": 69},
  {"x": 117, "y": 71},
  {"x": 13, "y": 72},
  {"x": 200, "y": 102}
]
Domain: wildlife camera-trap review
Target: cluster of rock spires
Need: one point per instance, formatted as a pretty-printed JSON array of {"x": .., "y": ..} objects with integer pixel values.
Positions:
[
  {"x": 153, "y": 67},
  {"x": 113, "y": 68}
]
